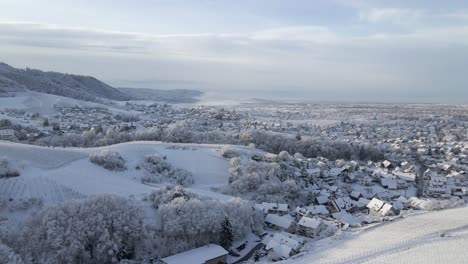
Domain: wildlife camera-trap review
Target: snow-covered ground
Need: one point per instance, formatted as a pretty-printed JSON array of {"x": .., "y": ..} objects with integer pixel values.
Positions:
[
  {"x": 42, "y": 103},
  {"x": 434, "y": 237},
  {"x": 68, "y": 170}
]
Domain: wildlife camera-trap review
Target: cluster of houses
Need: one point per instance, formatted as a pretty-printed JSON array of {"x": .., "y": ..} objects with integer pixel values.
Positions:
[
  {"x": 290, "y": 229},
  {"x": 353, "y": 194}
]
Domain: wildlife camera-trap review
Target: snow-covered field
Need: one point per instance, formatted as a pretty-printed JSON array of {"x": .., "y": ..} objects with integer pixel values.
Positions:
[
  {"x": 434, "y": 237},
  {"x": 69, "y": 173}
]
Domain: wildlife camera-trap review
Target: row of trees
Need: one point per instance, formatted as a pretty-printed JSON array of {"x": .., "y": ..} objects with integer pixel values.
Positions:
[{"x": 192, "y": 132}]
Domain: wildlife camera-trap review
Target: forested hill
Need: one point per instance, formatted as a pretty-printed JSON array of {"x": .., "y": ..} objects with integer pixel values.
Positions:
[{"x": 74, "y": 86}]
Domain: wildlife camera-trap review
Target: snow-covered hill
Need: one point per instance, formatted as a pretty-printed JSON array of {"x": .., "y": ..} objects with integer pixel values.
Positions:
[
  {"x": 42, "y": 103},
  {"x": 74, "y": 86},
  {"x": 70, "y": 171}
]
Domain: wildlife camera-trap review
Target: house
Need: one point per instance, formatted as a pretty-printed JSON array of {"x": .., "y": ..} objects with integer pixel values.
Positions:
[
  {"x": 345, "y": 219},
  {"x": 273, "y": 208},
  {"x": 282, "y": 223},
  {"x": 379, "y": 208},
  {"x": 318, "y": 210},
  {"x": 209, "y": 254},
  {"x": 387, "y": 164},
  {"x": 355, "y": 195},
  {"x": 374, "y": 206},
  {"x": 310, "y": 227},
  {"x": 407, "y": 176},
  {"x": 388, "y": 210},
  {"x": 340, "y": 204},
  {"x": 322, "y": 199},
  {"x": 282, "y": 246},
  {"x": 389, "y": 183},
  {"x": 300, "y": 212},
  {"x": 7, "y": 133},
  {"x": 437, "y": 186},
  {"x": 351, "y": 177}
]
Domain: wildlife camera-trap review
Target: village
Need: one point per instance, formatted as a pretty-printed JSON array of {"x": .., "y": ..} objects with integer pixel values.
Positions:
[
  {"x": 343, "y": 199},
  {"x": 424, "y": 166}
]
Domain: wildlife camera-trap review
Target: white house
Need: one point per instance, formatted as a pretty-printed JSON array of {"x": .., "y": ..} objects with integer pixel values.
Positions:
[
  {"x": 310, "y": 227},
  {"x": 7, "y": 132},
  {"x": 283, "y": 223},
  {"x": 282, "y": 246},
  {"x": 273, "y": 208},
  {"x": 379, "y": 208}
]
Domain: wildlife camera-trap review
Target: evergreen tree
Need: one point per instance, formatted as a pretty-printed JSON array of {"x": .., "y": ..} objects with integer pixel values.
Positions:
[{"x": 226, "y": 236}]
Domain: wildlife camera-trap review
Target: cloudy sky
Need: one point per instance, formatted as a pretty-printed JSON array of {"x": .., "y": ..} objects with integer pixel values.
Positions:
[{"x": 330, "y": 50}]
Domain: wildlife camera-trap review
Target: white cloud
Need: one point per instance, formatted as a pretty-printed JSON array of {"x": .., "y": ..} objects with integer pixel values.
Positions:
[
  {"x": 308, "y": 58},
  {"x": 391, "y": 15}
]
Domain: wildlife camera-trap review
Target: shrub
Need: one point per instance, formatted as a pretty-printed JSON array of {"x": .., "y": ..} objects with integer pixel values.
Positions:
[
  {"x": 159, "y": 170},
  {"x": 6, "y": 169},
  {"x": 108, "y": 159}
]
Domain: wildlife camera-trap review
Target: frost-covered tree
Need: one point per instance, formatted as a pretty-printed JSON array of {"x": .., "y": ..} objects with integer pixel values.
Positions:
[
  {"x": 102, "y": 229},
  {"x": 226, "y": 237},
  {"x": 159, "y": 170},
  {"x": 8, "y": 256}
]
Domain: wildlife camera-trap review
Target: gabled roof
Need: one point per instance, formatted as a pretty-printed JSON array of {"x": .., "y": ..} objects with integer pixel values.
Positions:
[
  {"x": 375, "y": 204},
  {"x": 198, "y": 255},
  {"x": 280, "y": 239},
  {"x": 323, "y": 199},
  {"x": 318, "y": 210},
  {"x": 284, "y": 221},
  {"x": 309, "y": 222},
  {"x": 274, "y": 206},
  {"x": 386, "y": 209}
]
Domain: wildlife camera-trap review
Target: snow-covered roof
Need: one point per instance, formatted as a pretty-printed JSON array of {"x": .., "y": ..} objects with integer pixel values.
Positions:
[
  {"x": 283, "y": 240},
  {"x": 375, "y": 204},
  {"x": 323, "y": 199},
  {"x": 274, "y": 206},
  {"x": 390, "y": 183},
  {"x": 355, "y": 194},
  {"x": 300, "y": 210},
  {"x": 318, "y": 209},
  {"x": 386, "y": 163},
  {"x": 386, "y": 209},
  {"x": 309, "y": 222},
  {"x": 346, "y": 218},
  {"x": 281, "y": 221},
  {"x": 405, "y": 175},
  {"x": 198, "y": 255}
]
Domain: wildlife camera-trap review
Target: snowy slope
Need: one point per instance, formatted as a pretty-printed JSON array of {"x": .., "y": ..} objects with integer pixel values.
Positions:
[
  {"x": 69, "y": 170},
  {"x": 42, "y": 103},
  {"x": 435, "y": 237}
]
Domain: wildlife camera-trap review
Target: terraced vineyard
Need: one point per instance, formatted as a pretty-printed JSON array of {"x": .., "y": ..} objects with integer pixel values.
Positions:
[{"x": 37, "y": 187}]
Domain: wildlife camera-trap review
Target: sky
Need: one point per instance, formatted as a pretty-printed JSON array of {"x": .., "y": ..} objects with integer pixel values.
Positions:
[{"x": 312, "y": 50}]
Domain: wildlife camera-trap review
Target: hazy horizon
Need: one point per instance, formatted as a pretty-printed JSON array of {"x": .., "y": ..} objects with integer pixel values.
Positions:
[{"x": 343, "y": 51}]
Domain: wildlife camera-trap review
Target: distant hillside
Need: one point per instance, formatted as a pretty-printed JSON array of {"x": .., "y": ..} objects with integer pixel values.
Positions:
[
  {"x": 169, "y": 96},
  {"x": 74, "y": 86}
]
